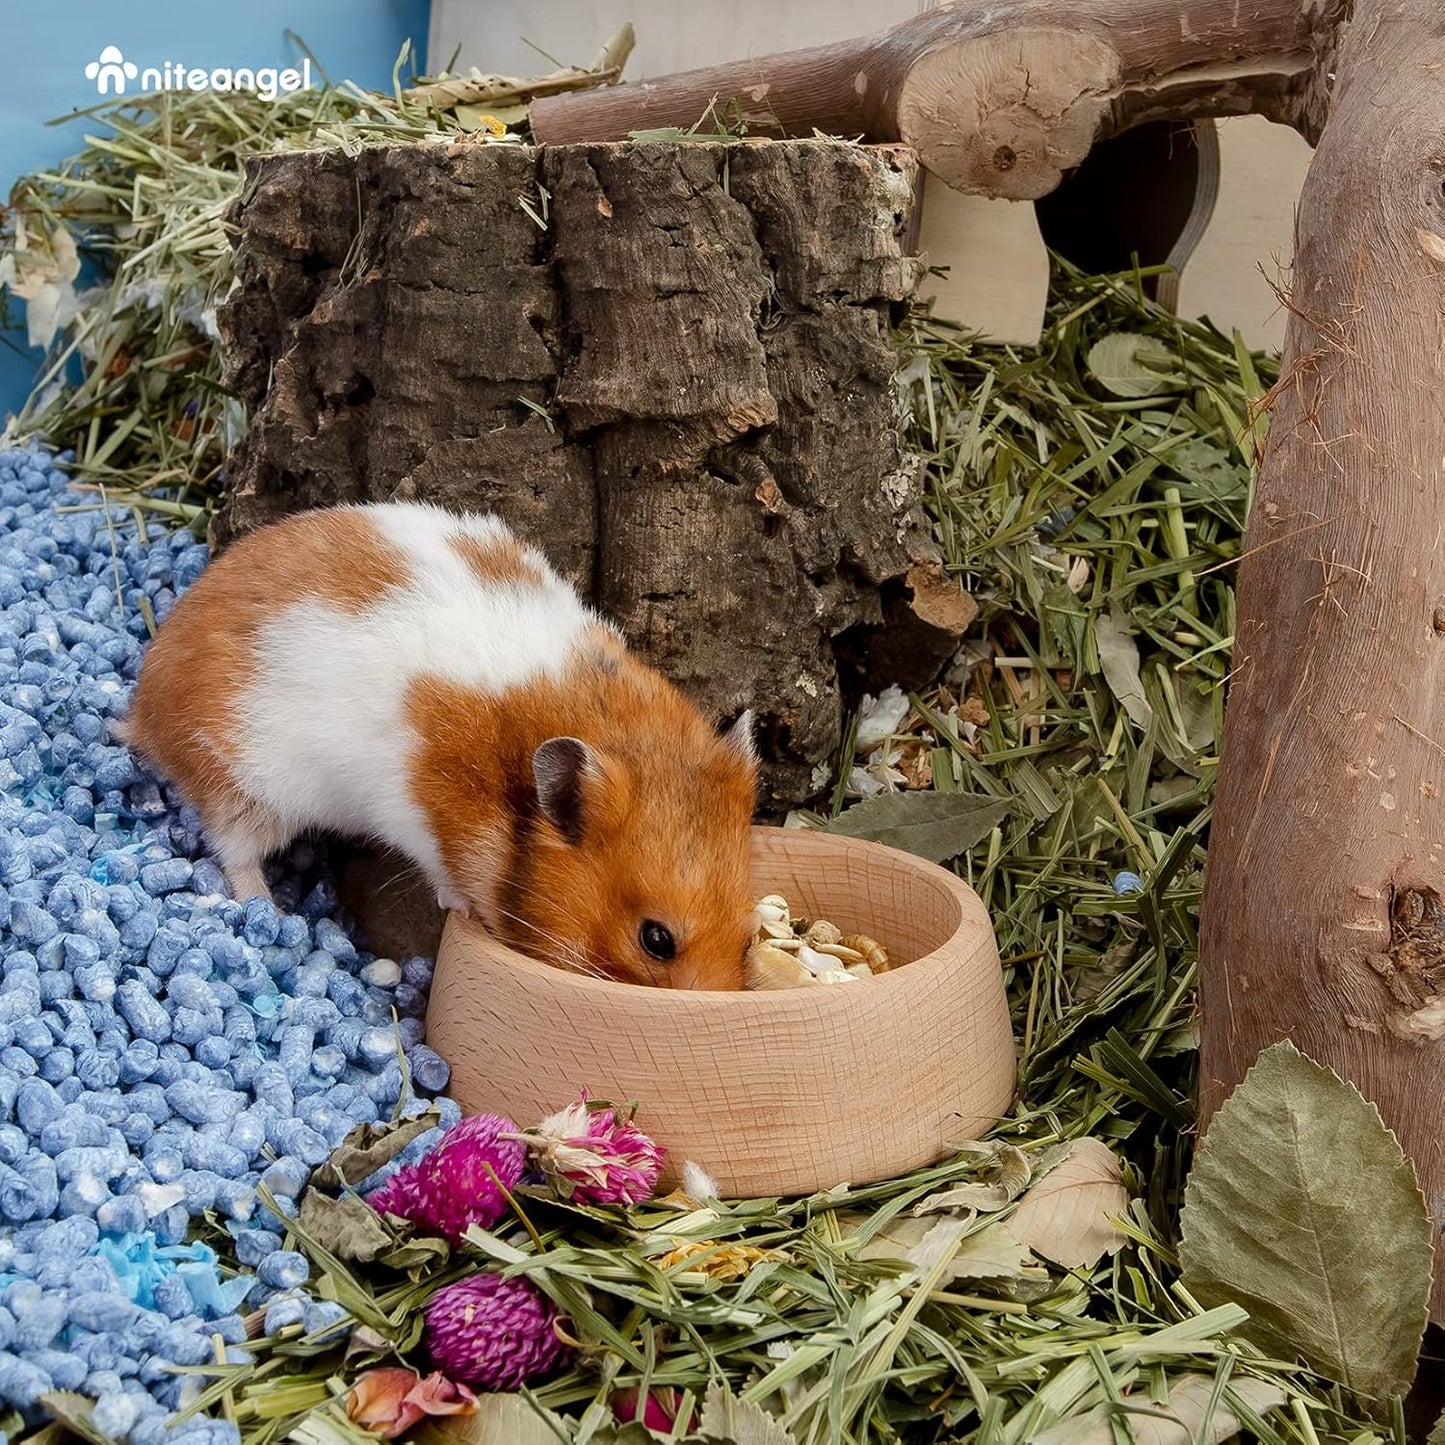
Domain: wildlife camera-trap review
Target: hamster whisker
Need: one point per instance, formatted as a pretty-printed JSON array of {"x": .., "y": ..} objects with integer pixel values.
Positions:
[
  {"x": 524, "y": 893},
  {"x": 569, "y": 952},
  {"x": 562, "y": 945},
  {"x": 592, "y": 965},
  {"x": 405, "y": 873}
]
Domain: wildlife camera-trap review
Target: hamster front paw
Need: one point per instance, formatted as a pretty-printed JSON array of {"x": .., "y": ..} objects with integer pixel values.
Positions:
[{"x": 453, "y": 902}]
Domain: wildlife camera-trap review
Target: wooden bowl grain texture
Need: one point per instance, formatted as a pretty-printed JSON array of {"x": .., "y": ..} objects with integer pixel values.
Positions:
[{"x": 773, "y": 1093}]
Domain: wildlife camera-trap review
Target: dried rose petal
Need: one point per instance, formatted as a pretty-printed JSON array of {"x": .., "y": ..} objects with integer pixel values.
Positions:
[
  {"x": 659, "y": 1409},
  {"x": 390, "y": 1399}
]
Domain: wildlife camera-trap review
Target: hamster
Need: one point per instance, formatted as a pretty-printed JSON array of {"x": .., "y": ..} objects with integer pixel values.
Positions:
[{"x": 423, "y": 679}]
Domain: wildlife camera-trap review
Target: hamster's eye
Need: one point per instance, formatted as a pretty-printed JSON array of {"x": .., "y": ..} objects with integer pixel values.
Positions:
[{"x": 656, "y": 940}]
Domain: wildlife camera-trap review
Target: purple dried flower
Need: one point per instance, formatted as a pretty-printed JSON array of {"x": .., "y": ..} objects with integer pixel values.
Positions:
[
  {"x": 594, "y": 1157},
  {"x": 493, "y": 1333},
  {"x": 450, "y": 1187}
]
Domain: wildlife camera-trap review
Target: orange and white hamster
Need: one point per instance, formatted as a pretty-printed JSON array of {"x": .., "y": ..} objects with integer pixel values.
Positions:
[{"x": 423, "y": 679}]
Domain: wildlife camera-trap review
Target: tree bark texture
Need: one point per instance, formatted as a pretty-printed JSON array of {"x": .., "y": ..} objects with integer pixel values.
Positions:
[
  {"x": 668, "y": 366},
  {"x": 1324, "y": 904},
  {"x": 1000, "y": 99}
]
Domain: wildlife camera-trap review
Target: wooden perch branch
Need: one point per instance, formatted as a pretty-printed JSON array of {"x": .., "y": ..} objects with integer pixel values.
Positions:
[
  {"x": 1324, "y": 903},
  {"x": 1001, "y": 99}
]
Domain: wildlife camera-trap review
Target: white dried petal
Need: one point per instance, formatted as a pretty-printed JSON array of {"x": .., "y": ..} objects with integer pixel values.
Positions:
[
  {"x": 880, "y": 717},
  {"x": 862, "y": 784},
  {"x": 817, "y": 963}
]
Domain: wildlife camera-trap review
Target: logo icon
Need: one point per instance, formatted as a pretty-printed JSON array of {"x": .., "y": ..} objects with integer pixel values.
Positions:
[
  {"x": 111, "y": 68},
  {"x": 113, "y": 75}
]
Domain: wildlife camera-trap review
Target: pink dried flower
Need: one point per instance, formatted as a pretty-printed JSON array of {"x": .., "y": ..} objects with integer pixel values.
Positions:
[
  {"x": 658, "y": 1410},
  {"x": 594, "y": 1157},
  {"x": 450, "y": 1187},
  {"x": 492, "y": 1332},
  {"x": 389, "y": 1400}
]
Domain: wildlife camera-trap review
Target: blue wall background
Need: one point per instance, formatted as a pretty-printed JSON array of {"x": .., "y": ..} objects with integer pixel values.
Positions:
[{"x": 47, "y": 45}]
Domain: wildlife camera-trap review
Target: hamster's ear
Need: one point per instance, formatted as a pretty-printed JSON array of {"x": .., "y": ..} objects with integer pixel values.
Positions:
[
  {"x": 559, "y": 769},
  {"x": 739, "y": 737}
]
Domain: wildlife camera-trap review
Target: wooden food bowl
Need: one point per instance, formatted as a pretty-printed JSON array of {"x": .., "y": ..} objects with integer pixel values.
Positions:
[{"x": 772, "y": 1093}]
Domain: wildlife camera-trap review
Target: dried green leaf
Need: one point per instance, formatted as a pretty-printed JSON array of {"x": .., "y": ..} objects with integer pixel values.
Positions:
[
  {"x": 914, "y": 1241},
  {"x": 1210, "y": 468},
  {"x": 368, "y": 1147},
  {"x": 1437, "y": 1435},
  {"x": 727, "y": 1420},
  {"x": 1067, "y": 1217},
  {"x": 988, "y": 1253},
  {"x": 939, "y": 1240},
  {"x": 1008, "y": 1162},
  {"x": 1091, "y": 980},
  {"x": 936, "y": 826},
  {"x": 1119, "y": 657},
  {"x": 349, "y": 1227},
  {"x": 1131, "y": 365},
  {"x": 992, "y": 1253},
  {"x": 364, "y": 1346},
  {"x": 497, "y": 1420},
  {"x": 1302, "y": 1208},
  {"x": 1180, "y": 1421},
  {"x": 418, "y": 1256},
  {"x": 634, "y": 1432}
]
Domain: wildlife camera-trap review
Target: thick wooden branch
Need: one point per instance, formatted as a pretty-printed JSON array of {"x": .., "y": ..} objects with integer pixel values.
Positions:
[
  {"x": 1323, "y": 918},
  {"x": 1001, "y": 99}
]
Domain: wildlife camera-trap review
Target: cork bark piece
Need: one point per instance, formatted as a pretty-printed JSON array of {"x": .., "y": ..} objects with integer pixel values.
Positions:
[{"x": 670, "y": 367}]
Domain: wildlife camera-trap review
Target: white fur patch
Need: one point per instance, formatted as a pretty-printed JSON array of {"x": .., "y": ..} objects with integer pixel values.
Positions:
[{"x": 324, "y": 739}]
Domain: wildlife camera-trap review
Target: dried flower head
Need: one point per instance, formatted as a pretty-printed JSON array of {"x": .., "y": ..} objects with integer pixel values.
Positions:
[
  {"x": 657, "y": 1410},
  {"x": 594, "y": 1157},
  {"x": 389, "y": 1400},
  {"x": 459, "y": 1183},
  {"x": 493, "y": 1333},
  {"x": 714, "y": 1258}
]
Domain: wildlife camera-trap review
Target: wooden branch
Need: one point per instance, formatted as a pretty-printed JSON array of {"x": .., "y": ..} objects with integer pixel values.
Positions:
[
  {"x": 1323, "y": 918},
  {"x": 1001, "y": 99}
]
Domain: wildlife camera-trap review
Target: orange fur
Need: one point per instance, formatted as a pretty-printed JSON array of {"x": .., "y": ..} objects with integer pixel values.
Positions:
[
  {"x": 665, "y": 832},
  {"x": 497, "y": 561},
  {"x": 182, "y": 714}
]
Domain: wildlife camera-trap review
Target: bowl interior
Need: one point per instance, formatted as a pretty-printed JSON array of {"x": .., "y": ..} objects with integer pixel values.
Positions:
[{"x": 911, "y": 911}]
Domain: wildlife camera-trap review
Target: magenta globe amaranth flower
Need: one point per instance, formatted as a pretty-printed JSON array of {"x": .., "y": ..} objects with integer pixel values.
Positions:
[
  {"x": 594, "y": 1157},
  {"x": 460, "y": 1182},
  {"x": 492, "y": 1333}
]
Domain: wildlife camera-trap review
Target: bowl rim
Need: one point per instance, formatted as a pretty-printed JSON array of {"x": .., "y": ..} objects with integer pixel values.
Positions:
[{"x": 763, "y": 1001}]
